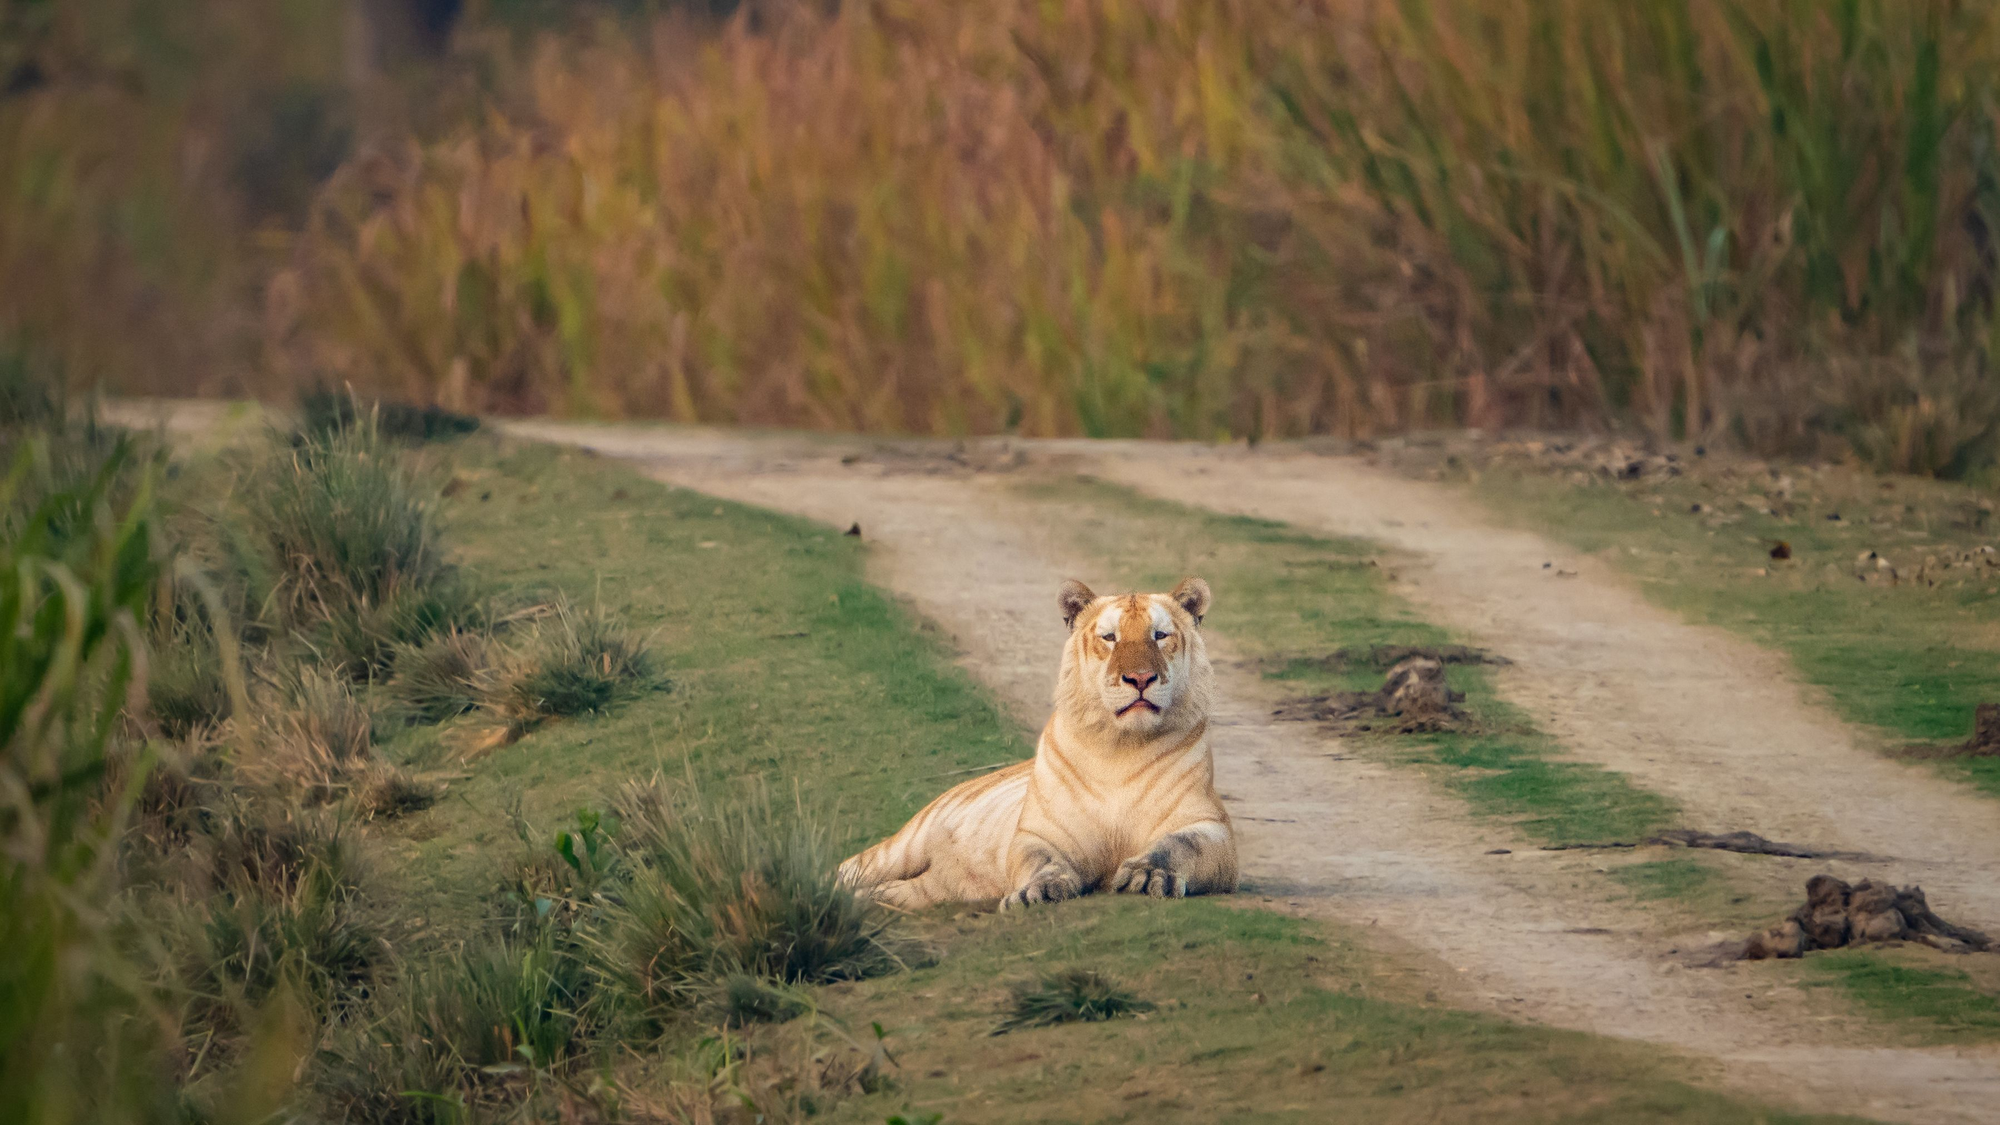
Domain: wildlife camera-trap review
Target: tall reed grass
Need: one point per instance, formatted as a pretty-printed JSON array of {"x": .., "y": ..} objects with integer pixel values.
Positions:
[
  {"x": 1771, "y": 220},
  {"x": 1765, "y": 218}
]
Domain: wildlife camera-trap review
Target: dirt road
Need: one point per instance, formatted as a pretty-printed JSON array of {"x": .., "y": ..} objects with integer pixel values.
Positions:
[{"x": 1715, "y": 723}]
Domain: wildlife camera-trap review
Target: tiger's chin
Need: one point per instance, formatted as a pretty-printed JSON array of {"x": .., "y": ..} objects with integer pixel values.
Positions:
[{"x": 1139, "y": 716}]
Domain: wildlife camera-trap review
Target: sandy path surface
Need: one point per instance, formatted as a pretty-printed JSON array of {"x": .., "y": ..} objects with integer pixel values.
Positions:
[
  {"x": 1715, "y": 722},
  {"x": 1366, "y": 844}
]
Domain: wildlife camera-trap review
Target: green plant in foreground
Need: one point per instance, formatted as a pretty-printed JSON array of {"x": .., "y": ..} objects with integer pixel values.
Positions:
[
  {"x": 1070, "y": 996},
  {"x": 80, "y": 1038}
]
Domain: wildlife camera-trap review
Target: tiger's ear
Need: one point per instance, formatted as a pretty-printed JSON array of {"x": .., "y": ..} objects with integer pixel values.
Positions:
[
  {"x": 1192, "y": 594},
  {"x": 1074, "y": 599}
]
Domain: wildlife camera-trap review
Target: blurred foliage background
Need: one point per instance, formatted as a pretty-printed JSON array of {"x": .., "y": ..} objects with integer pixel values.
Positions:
[{"x": 1769, "y": 222}]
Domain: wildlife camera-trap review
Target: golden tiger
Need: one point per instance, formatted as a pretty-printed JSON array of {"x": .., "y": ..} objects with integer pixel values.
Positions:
[{"x": 1120, "y": 794}]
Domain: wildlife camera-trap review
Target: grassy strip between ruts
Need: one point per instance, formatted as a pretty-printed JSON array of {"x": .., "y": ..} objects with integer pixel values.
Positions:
[
  {"x": 1910, "y": 658},
  {"x": 786, "y": 664},
  {"x": 1288, "y": 600}
]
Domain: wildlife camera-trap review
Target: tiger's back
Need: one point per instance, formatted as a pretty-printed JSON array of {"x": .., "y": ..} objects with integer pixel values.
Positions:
[{"x": 954, "y": 850}]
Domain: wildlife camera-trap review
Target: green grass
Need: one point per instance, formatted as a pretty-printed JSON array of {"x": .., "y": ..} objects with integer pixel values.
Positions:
[
  {"x": 1911, "y": 659},
  {"x": 1943, "y": 1004},
  {"x": 1260, "y": 1018},
  {"x": 1287, "y": 600}
]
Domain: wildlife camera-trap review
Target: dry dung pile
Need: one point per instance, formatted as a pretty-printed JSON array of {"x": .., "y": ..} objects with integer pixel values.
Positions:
[
  {"x": 1836, "y": 915},
  {"x": 1414, "y": 699}
]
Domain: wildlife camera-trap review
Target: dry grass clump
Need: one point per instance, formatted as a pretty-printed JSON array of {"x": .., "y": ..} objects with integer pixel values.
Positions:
[
  {"x": 444, "y": 676},
  {"x": 187, "y": 688},
  {"x": 311, "y": 735},
  {"x": 313, "y": 739}
]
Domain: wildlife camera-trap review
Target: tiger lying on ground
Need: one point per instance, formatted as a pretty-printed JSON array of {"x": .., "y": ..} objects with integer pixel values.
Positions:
[{"x": 1119, "y": 796}]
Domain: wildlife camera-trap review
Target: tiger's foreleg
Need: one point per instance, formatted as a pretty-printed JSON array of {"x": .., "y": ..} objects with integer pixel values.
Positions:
[
  {"x": 1198, "y": 859},
  {"x": 1039, "y": 873}
]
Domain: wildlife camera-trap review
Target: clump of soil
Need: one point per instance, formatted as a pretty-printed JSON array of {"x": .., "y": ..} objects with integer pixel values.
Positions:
[
  {"x": 1836, "y": 915},
  {"x": 1413, "y": 699}
]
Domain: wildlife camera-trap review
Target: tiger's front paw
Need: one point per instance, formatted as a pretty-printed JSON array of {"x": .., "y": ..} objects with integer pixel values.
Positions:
[
  {"x": 1044, "y": 888},
  {"x": 1138, "y": 877}
]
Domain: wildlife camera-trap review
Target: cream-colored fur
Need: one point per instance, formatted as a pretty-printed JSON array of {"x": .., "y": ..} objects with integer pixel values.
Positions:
[{"x": 1120, "y": 795}]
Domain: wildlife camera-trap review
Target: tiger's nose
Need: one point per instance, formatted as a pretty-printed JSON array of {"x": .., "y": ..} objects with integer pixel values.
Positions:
[{"x": 1140, "y": 681}]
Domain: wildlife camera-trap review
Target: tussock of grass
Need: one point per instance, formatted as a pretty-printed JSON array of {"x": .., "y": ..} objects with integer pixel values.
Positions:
[
  {"x": 461, "y": 1031},
  {"x": 364, "y": 637},
  {"x": 349, "y": 529},
  {"x": 388, "y": 791},
  {"x": 579, "y": 661},
  {"x": 311, "y": 736},
  {"x": 186, "y": 687},
  {"x": 1069, "y": 996},
  {"x": 723, "y": 886},
  {"x": 275, "y": 908},
  {"x": 444, "y": 676}
]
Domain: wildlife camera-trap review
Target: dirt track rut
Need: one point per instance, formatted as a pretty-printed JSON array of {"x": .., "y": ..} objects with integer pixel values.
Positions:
[{"x": 1365, "y": 844}]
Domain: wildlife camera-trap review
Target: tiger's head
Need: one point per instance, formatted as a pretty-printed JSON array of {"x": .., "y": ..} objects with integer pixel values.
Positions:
[{"x": 1135, "y": 664}]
